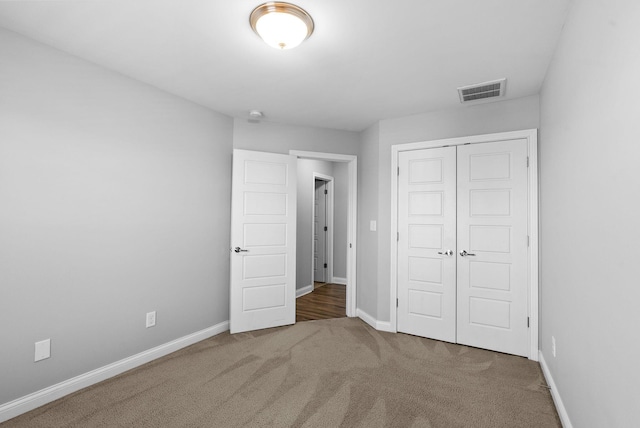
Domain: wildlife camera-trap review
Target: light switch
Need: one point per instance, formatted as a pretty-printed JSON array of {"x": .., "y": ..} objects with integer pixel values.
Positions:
[
  {"x": 372, "y": 225},
  {"x": 43, "y": 350}
]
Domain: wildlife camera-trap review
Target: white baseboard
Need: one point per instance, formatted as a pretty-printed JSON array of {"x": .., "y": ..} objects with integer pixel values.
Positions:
[
  {"x": 29, "y": 402},
  {"x": 384, "y": 326},
  {"x": 366, "y": 318},
  {"x": 562, "y": 411},
  {"x": 304, "y": 290},
  {"x": 338, "y": 280},
  {"x": 378, "y": 325}
]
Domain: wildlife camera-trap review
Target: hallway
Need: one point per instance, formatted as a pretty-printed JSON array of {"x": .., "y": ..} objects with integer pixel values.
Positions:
[{"x": 326, "y": 301}]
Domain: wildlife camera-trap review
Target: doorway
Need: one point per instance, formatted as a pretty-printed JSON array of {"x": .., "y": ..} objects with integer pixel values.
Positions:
[
  {"x": 264, "y": 192},
  {"x": 326, "y": 298},
  {"x": 340, "y": 242},
  {"x": 464, "y": 250}
]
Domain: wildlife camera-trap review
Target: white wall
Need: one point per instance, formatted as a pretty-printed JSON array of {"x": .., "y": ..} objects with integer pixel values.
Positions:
[
  {"x": 278, "y": 138},
  {"x": 367, "y": 295},
  {"x": 341, "y": 219},
  {"x": 590, "y": 206},
  {"x": 510, "y": 115},
  {"x": 115, "y": 202}
]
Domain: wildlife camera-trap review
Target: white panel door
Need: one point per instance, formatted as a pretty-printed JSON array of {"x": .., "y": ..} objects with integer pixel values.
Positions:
[
  {"x": 426, "y": 243},
  {"x": 263, "y": 241},
  {"x": 492, "y": 246},
  {"x": 319, "y": 232}
]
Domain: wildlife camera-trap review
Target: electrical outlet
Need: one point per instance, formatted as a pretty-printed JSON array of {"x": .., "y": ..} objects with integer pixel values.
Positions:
[
  {"x": 553, "y": 346},
  {"x": 43, "y": 350},
  {"x": 151, "y": 319}
]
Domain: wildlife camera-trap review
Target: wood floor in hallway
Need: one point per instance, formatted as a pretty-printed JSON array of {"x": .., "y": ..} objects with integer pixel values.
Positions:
[{"x": 326, "y": 301}]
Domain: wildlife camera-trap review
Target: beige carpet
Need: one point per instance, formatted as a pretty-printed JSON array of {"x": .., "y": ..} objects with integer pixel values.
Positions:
[{"x": 329, "y": 373}]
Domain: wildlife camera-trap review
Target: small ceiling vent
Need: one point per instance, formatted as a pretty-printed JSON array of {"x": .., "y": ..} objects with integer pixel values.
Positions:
[{"x": 482, "y": 91}]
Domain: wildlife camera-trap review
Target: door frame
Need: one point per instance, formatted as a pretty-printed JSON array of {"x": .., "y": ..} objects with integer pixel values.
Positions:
[
  {"x": 352, "y": 217},
  {"x": 329, "y": 219},
  {"x": 531, "y": 135}
]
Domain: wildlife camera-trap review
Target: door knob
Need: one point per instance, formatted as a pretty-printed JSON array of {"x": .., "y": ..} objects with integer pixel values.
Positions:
[
  {"x": 238, "y": 249},
  {"x": 464, "y": 253},
  {"x": 446, "y": 253}
]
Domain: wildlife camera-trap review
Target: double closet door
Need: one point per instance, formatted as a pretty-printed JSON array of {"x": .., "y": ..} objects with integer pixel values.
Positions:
[{"x": 463, "y": 245}]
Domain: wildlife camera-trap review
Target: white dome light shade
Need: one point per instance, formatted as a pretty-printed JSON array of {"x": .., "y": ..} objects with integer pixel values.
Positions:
[
  {"x": 281, "y": 25},
  {"x": 281, "y": 30}
]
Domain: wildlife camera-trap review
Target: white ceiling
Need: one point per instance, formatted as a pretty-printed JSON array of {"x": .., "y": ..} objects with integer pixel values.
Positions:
[{"x": 367, "y": 59}]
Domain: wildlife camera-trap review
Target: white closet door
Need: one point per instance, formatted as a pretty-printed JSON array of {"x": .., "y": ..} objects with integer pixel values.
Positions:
[
  {"x": 426, "y": 244},
  {"x": 492, "y": 284}
]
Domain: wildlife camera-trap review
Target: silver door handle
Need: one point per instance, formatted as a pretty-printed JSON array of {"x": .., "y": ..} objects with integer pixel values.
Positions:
[
  {"x": 464, "y": 253},
  {"x": 446, "y": 253},
  {"x": 238, "y": 249}
]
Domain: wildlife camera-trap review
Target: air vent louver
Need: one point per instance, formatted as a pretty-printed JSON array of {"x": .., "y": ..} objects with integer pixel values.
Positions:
[{"x": 482, "y": 91}]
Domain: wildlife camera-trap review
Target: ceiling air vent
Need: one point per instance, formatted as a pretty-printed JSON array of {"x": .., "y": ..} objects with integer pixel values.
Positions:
[{"x": 482, "y": 91}]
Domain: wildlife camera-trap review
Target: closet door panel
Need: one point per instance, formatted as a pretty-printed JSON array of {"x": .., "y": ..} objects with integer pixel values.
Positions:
[
  {"x": 492, "y": 241},
  {"x": 426, "y": 244}
]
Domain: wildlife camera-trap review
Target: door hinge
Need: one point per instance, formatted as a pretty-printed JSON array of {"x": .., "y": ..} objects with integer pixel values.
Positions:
[
  {"x": 527, "y": 161},
  {"x": 397, "y": 303},
  {"x": 527, "y": 322},
  {"x": 350, "y": 245},
  {"x": 325, "y": 265},
  {"x": 398, "y": 171},
  {"x": 325, "y": 191},
  {"x": 528, "y": 241},
  {"x": 398, "y": 237},
  {"x": 325, "y": 228}
]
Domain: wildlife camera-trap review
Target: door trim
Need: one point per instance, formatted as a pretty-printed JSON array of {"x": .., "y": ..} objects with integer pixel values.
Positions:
[
  {"x": 329, "y": 219},
  {"x": 531, "y": 135},
  {"x": 352, "y": 217}
]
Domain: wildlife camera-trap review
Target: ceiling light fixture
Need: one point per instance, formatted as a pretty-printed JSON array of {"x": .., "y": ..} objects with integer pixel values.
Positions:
[
  {"x": 281, "y": 25},
  {"x": 255, "y": 114}
]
